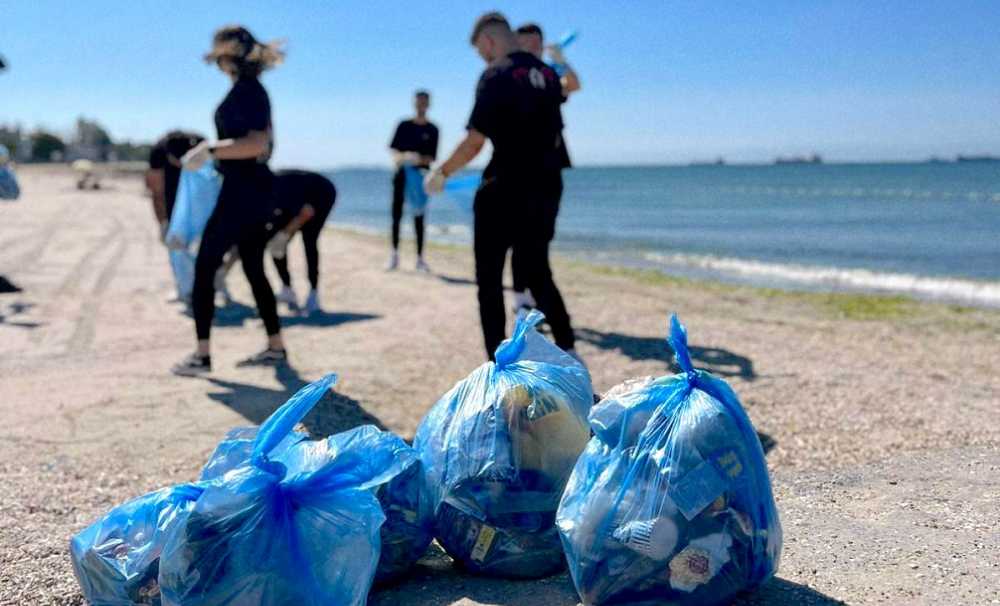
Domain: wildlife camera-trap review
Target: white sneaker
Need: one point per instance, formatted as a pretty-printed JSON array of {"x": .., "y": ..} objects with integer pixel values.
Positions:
[
  {"x": 287, "y": 296},
  {"x": 423, "y": 266},
  {"x": 312, "y": 303},
  {"x": 393, "y": 262}
]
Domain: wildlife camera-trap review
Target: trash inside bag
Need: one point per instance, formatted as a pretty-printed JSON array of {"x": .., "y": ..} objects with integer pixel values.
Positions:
[
  {"x": 9, "y": 189},
  {"x": 197, "y": 194},
  {"x": 300, "y": 527},
  {"x": 117, "y": 559},
  {"x": 497, "y": 450},
  {"x": 416, "y": 196},
  {"x": 393, "y": 472},
  {"x": 671, "y": 502}
]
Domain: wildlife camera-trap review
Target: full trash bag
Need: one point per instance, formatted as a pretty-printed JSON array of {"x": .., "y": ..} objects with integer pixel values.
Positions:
[
  {"x": 9, "y": 189},
  {"x": 395, "y": 480},
  {"x": 497, "y": 450},
  {"x": 300, "y": 526},
  {"x": 197, "y": 194},
  {"x": 671, "y": 502},
  {"x": 117, "y": 558}
]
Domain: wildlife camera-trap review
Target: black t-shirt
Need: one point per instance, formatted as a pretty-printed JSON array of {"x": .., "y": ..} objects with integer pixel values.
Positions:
[
  {"x": 518, "y": 107},
  {"x": 413, "y": 137},
  {"x": 295, "y": 188},
  {"x": 176, "y": 144},
  {"x": 246, "y": 108}
]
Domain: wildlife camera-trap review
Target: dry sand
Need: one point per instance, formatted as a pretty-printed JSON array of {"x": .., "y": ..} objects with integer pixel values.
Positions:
[{"x": 881, "y": 416}]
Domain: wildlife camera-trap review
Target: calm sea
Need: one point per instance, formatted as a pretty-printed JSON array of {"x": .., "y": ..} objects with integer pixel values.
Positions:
[{"x": 927, "y": 230}]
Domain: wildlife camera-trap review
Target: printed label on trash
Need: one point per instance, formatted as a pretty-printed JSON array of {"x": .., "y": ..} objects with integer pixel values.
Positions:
[
  {"x": 483, "y": 543},
  {"x": 696, "y": 490}
]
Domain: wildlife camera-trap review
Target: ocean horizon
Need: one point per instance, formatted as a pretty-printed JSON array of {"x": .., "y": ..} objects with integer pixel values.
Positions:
[{"x": 921, "y": 229}]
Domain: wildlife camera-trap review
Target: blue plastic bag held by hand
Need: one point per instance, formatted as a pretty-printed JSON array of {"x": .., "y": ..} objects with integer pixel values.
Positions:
[
  {"x": 416, "y": 196},
  {"x": 497, "y": 450},
  {"x": 462, "y": 190},
  {"x": 301, "y": 527},
  {"x": 197, "y": 194},
  {"x": 394, "y": 472},
  {"x": 9, "y": 189},
  {"x": 671, "y": 503},
  {"x": 117, "y": 559}
]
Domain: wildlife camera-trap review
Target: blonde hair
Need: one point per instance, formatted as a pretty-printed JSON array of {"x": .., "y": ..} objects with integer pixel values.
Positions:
[{"x": 236, "y": 43}]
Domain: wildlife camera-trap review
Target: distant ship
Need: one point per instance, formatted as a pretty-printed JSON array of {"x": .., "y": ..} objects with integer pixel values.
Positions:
[
  {"x": 720, "y": 161},
  {"x": 977, "y": 159},
  {"x": 813, "y": 159}
]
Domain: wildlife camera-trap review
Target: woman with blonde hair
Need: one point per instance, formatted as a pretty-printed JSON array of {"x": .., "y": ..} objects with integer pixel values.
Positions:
[{"x": 244, "y": 215}]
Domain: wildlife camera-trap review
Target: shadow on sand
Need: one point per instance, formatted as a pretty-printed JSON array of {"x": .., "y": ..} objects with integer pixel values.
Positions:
[
  {"x": 720, "y": 362},
  {"x": 236, "y": 314},
  {"x": 336, "y": 412},
  {"x": 14, "y": 309}
]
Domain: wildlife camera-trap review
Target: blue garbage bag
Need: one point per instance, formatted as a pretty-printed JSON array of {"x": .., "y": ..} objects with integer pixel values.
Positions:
[
  {"x": 414, "y": 192},
  {"x": 197, "y": 194},
  {"x": 298, "y": 528},
  {"x": 462, "y": 190},
  {"x": 671, "y": 502},
  {"x": 407, "y": 530},
  {"x": 497, "y": 450},
  {"x": 9, "y": 189},
  {"x": 117, "y": 558},
  {"x": 182, "y": 265}
]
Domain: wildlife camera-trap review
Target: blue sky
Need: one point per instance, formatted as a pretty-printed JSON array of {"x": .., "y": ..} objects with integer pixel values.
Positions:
[{"x": 663, "y": 81}]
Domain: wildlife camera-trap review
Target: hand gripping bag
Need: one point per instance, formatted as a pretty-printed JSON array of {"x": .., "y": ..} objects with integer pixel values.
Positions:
[
  {"x": 395, "y": 479},
  {"x": 497, "y": 450},
  {"x": 197, "y": 194},
  {"x": 413, "y": 190},
  {"x": 117, "y": 558},
  {"x": 298, "y": 528},
  {"x": 671, "y": 501}
]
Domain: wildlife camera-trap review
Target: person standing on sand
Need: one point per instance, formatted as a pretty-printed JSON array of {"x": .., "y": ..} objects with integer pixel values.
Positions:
[
  {"x": 517, "y": 108},
  {"x": 531, "y": 39},
  {"x": 308, "y": 197},
  {"x": 244, "y": 214},
  {"x": 414, "y": 143}
]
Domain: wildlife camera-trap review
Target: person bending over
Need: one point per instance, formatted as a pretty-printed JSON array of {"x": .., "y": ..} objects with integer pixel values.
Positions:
[
  {"x": 517, "y": 108},
  {"x": 244, "y": 214},
  {"x": 308, "y": 198},
  {"x": 414, "y": 143}
]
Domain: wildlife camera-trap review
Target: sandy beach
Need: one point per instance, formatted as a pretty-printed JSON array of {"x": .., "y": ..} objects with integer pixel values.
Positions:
[{"x": 880, "y": 416}]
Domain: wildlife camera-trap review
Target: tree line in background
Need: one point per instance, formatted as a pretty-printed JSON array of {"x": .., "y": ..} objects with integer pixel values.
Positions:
[{"x": 89, "y": 140}]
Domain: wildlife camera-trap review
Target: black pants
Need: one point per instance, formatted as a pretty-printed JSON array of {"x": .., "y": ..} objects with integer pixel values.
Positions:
[
  {"x": 521, "y": 218},
  {"x": 398, "y": 198},
  {"x": 249, "y": 231},
  {"x": 310, "y": 241},
  {"x": 518, "y": 262}
]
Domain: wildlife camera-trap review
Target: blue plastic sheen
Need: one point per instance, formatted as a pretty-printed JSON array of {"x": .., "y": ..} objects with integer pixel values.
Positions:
[
  {"x": 462, "y": 190},
  {"x": 671, "y": 502},
  {"x": 280, "y": 424},
  {"x": 416, "y": 195},
  {"x": 9, "y": 189},
  {"x": 117, "y": 558},
  {"x": 497, "y": 450},
  {"x": 197, "y": 194}
]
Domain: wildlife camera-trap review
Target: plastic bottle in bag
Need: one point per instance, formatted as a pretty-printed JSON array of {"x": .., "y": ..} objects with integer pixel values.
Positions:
[
  {"x": 671, "y": 502},
  {"x": 497, "y": 450}
]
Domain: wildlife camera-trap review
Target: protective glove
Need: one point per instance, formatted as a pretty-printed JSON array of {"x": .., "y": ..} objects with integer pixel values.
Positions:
[
  {"x": 278, "y": 245},
  {"x": 434, "y": 181},
  {"x": 197, "y": 156}
]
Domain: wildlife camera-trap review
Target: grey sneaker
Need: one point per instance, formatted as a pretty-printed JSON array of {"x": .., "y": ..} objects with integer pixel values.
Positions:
[
  {"x": 268, "y": 357},
  {"x": 192, "y": 366}
]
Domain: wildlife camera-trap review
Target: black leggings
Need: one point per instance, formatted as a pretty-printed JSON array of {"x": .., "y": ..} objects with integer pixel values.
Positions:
[
  {"x": 522, "y": 219},
  {"x": 250, "y": 236},
  {"x": 398, "y": 198},
  {"x": 310, "y": 241}
]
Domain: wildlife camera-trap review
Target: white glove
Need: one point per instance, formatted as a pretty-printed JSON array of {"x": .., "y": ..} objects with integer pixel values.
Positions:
[
  {"x": 278, "y": 246},
  {"x": 434, "y": 181},
  {"x": 197, "y": 156}
]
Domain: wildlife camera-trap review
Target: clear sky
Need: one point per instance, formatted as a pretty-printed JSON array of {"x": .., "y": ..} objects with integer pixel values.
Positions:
[{"x": 663, "y": 81}]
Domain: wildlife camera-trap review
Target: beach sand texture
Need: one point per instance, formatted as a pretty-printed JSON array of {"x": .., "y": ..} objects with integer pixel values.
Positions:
[{"x": 881, "y": 417}]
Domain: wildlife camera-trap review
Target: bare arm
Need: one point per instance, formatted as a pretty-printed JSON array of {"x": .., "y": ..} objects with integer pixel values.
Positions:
[
  {"x": 304, "y": 216},
  {"x": 253, "y": 145},
  {"x": 570, "y": 81},
  {"x": 156, "y": 182},
  {"x": 466, "y": 151}
]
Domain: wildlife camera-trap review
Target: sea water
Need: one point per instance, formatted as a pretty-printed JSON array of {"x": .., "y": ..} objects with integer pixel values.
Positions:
[{"x": 928, "y": 230}]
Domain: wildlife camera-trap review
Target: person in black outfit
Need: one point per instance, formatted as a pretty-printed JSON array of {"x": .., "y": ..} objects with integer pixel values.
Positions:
[
  {"x": 245, "y": 214},
  {"x": 517, "y": 108},
  {"x": 164, "y": 172},
  {"x": 308, "y": 197},
  {"x": 415, "y": 143}
]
